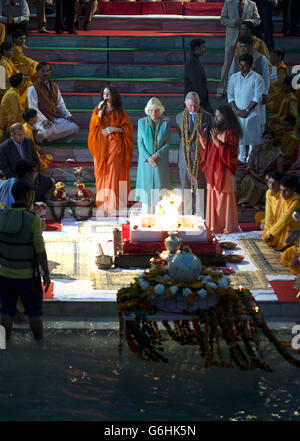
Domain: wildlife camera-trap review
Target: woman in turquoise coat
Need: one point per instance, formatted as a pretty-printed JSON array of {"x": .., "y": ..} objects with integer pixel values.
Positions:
[{"x": 153, "y": 165}]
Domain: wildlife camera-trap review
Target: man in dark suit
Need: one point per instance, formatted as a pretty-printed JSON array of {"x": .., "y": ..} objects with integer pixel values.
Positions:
[
  {"x": 18, "y": 147},
  {"x": 194, "y": 73}
]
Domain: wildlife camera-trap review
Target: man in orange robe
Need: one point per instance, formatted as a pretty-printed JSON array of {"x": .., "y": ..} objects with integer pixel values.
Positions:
[{"x": 110, "y": 142}]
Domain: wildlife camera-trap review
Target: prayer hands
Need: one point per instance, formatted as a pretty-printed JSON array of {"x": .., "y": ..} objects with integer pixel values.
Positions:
[
  {"x": 202, "y": 136},
  {"x": 108, "y": 130},
  {"x": 214, "y": 134},
  {"x": 10, "y": 20}
]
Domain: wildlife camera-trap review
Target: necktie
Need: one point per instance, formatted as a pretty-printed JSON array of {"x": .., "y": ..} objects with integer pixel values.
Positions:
[{"x": 241, "y": 8}]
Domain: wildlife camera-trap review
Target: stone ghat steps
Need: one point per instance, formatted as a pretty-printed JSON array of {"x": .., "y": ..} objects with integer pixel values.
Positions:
[
  {"x": 79, "y": 152},
  {"x": 148, "y": 56},
  {"x": 127, "y": 85},
  {"x": 80, "y": 139}
]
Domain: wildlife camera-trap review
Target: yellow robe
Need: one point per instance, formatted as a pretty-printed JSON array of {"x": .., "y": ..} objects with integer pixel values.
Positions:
[
  {"x": 259, "y": 46},
  {"x": 288, "y": 255},
  {"x": 10, "y": 70},
  {"x": 25, "y": 65},
  {"x": 278, "y": 222},
  {"x": 45, "y": 158},
  {"x": 275, "y": 88},
  {"x": 289, "y": 148},
  {"x": 11, "y": 109},
  {"x": 288, "y": 105}
]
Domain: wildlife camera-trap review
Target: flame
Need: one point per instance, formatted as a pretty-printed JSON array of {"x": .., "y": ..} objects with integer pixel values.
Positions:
[{"x": 167, "y": 212}]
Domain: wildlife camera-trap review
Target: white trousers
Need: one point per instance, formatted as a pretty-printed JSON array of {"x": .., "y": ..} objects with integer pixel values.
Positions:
[{"x": 60, "y": 128}]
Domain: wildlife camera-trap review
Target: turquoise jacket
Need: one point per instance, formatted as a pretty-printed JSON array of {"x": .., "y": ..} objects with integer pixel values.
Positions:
[{"x": 149, "y": 177}]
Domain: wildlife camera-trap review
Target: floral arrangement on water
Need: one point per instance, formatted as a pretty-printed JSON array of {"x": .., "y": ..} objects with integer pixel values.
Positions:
[{"x": 217, "y": 313}]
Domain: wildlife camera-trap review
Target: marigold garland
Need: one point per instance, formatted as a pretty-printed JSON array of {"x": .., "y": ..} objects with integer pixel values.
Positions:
[{"x": 235, "y": 320}]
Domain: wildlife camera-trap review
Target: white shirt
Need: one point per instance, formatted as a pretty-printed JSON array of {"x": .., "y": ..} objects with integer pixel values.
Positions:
[
  {"x": 264, "y": 71},
  {"x": 33, "y": 104},
  {"x": 243, "y": 90}
]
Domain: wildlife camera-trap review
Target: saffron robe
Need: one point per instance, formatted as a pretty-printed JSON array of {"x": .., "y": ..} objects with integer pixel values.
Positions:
[
  {"x": 219, "y": 162},
  {"x": 289, "y": 148},
  {"x": 275, "y": 87},
  {"x": 45, "y": 158},
  {"x": 11, "y": 109},
  {"x": 24, "y": 64},
  {"x": 287, "y": 105},
  {"x": 288, "y": 255},
  {"x": 10, "y": 70},
  {"x": 279, "y": 222},
  {"x": 112, "y": 156},
  {"x": 253, "y": 187}
]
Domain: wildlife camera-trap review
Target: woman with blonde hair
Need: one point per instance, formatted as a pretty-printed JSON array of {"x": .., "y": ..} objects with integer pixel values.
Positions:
[{"x": 153, "y": 139}]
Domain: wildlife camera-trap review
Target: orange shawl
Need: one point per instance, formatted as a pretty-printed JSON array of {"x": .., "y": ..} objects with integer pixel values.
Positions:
[{"x": 112, "y": 154}]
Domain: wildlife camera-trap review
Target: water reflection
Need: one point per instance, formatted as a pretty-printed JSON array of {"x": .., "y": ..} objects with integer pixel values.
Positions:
[{"x": 77, "y": 376}]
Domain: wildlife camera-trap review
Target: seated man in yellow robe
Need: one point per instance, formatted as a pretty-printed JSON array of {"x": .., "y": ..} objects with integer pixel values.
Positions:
[
  {"x": 281, "y": 221},
  {"x": 287, "y": 105},
  {"x": 30, "y": 117},
  {"x": 24, "y": 64},
  {"x": 247, "y": 28},
  {"x": 273, "y": 195},
  {"x": 277, "y": 57},
  {"x": 290, "y": 142},
  {"x": 11, "y": 109},
  {"x": 6, "y": 50}
]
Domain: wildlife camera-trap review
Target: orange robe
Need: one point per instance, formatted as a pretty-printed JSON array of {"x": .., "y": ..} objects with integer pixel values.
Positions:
[
  {"x": 273, "y": 97},
  {"x": 112, "y": 156},
  {"x": 219, "y": 162}
]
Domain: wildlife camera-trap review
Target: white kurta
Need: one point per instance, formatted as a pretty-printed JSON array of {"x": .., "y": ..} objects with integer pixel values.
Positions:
[
  {"x": 60, "y": 128},
  {"x": 243, "y": 90}
]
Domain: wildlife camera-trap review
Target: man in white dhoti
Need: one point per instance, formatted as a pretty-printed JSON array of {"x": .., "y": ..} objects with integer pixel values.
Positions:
[
  {"x": 245, "y": 90},
  {"x": 54, "y": 119},
  {"x": 260, "y": 66}
]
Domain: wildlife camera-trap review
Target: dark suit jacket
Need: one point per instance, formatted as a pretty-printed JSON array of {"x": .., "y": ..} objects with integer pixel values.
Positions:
[
  {"x": 195, "y": 80},
  {"x": 9, "y": 156}
]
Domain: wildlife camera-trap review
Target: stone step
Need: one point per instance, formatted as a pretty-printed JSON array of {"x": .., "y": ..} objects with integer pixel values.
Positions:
[
  {"x": 88, "y": 70},
  {"x": 82, "y": 136},
  {"x": 65, "y": 173},
  {"x": 133, "y": 55},
  {"x": 83, "y": 116},
  {"x": 141, "y": 42},
  {"x": 81, "y": 153},
  {"x": 130, "y": 101}
]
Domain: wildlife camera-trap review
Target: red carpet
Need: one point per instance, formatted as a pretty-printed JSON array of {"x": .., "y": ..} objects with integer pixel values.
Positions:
[
  {"x": 52, "y": 225},
  {"x": 285, "y": 291},
  {"x": 160, "y": 8}
]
